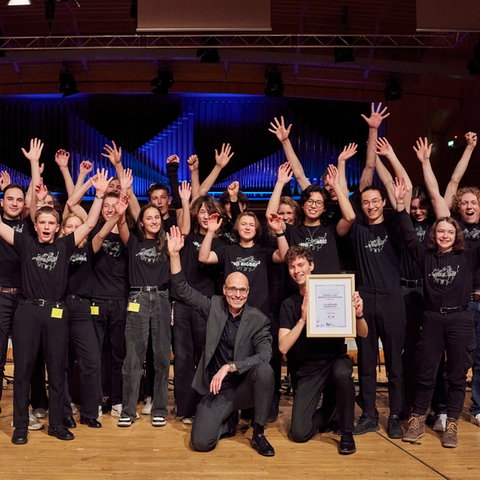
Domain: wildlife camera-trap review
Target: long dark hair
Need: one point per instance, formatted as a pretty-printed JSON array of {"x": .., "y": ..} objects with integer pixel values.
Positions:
[{"x": 161, "y": 242}]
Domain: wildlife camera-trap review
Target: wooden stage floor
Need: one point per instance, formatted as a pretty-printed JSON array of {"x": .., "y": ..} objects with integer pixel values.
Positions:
[{"x": 143, "y": 452}]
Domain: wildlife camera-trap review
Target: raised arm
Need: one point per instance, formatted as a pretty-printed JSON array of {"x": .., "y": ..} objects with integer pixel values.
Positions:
[
  {"x": 4, "y": 180},
  {"x": 278, "y": 227},
  {"x": 6, "y": 232},
  {"x": 194, "y": 176},
  {"x": 348, "y": 214},
  {"x": 221, "y": 161},
  {"x": 61, "y": 159},
  {"x": 86, "y": 167},
  {"x": 126, "y": 181},
  {"x": 205, "y": 254},
  {"x": 285, "y": 174},
  {"x": 423, "y": 150},
  {"x": 173, "y": 163},
  {"x": 100, "y": 182},
  {"x": 33, "y": 156},
  {"x": 460, "y": 168},
  {"x": 377, "y": 115},
  {"x": 277, "y": 127},
  {"x": 384, "y": 149},
  {"x": 183, "y": 214},
  {"x": 346, "y": 154},
  {"x": 175, "y": 242}
]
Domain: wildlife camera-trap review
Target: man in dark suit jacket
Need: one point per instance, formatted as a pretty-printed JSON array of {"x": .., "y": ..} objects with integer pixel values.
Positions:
[{"x": 234, "y": 371}]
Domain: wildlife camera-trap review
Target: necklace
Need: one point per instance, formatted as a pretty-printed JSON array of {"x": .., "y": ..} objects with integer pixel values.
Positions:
[{"x": 311, "y": 235}]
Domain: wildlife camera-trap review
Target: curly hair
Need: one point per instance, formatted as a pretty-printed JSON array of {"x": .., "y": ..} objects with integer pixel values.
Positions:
[{"x": 457, "y": 199}]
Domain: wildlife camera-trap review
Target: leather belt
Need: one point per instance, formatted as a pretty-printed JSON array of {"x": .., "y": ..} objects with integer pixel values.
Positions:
[
  {"x": 411, "y": 283},
  {"x": 11, "y": 290},
  {"x": 41, "y": 302},
  {"x": 447, "y": 310},
  {"x": 145, "y": 288}
]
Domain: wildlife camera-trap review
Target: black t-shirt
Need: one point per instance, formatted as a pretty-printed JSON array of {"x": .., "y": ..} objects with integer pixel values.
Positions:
[
  {"x": 321, "y": 241},
  {"x": 307, "y": 349},
  {"x": 146, "y": 265},
  {"x": 109, "y": 279},
  {"x": 200, "y": 276},
  {"x": 80, "y": 271},
  {"x": 376, "y": 253},
  {"x": 44, "y": 265},
  {"x": 10, "y": 273},
  {"x": 253, "y": 263},
  {"x": 409, "y": 268},
  {"x": 471, "y": 232}
]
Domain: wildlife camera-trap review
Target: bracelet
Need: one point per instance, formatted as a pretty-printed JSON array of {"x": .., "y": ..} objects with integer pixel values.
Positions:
[
  {"x": 278, "y": 235},
  {"x": 100, "y": 197},
  {"x": 359, "y": 317}
]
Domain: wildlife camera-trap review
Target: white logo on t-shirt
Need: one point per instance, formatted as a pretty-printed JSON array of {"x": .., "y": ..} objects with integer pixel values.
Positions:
[
  {"x": 112, "y": 248},
  {"x": 315, "y": 243},
  {"x": 376, "y": 245},
  {"x": 149, "y": 255},
  {"x": 248, "y": 264},
  {"x": 445, "y": 275},
  {"x": 47, "y": 261}
]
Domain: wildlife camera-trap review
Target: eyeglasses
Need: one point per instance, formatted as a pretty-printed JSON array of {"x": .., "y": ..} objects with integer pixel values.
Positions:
[
  {"x": 317, "y": 203},
  {"x": 375, "y": 202},
  {"x": 234, "y": 290}
]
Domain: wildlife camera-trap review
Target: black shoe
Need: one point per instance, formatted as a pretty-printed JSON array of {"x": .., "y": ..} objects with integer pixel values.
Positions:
[
  {"x": 260, "y": 443},
  {"x": 90, "y": 422},
  {"x": 20, "y": 436},
  {"x": 231, "y": 423},
  {"x": 347, "y": 444},
  {"x": 69, "y": 422},
  {"x": 394, "y": 428},
  {"x": 364, "y": 425},
  {"x": 61, "y": 433}
]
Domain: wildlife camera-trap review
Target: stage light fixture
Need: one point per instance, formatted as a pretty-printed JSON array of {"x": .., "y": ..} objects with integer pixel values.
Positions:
[
  {"x": 274, "y": 84},
  {"x": 66, "y": 83},
  {"x": 393, "y": 88},
  {"x": 163, "y": 82}
]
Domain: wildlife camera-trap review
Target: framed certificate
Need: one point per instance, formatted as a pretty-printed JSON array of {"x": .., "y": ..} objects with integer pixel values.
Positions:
[{"x": 330, "y": 309}]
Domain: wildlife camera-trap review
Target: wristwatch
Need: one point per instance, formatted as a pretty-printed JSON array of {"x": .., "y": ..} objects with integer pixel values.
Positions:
[{"x": 231, "y": 365}]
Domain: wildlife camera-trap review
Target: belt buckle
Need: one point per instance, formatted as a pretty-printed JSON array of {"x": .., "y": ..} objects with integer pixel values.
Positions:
[
  {"x": 443, "y": 310},
  {"x": 41, "y": 302}
]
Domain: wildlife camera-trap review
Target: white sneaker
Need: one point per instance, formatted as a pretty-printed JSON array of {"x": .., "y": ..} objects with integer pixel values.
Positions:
[
  {"x": 159, "y": 421},
  {"x": 147, "y": 408},
  {"x": 33, "y": 422},
  {"x": 124, "y": 422},
  {"x": 187, "y": 420},
  {"x": 100, "y": 412},
  {"x": 74, "y": 409},
  {"x": 440, "y": 422},
  {"x": 116, "y": 410},
  {"x": 476, "y": 419}
]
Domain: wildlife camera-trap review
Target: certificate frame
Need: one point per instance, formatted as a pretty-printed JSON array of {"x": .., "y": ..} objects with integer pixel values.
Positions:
[{"x": 330, "y": 310}]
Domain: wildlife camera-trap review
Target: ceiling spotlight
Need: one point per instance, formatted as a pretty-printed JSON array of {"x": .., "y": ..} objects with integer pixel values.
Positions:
[
  {"x": 66, "y": 83},
  {"x": 162, "y": 82},
  {"x": 474, "y": 64},
  {"x": 274, "y": 84},
  {"x": 393, "y": 88},
  {"x": 209, "y": 54},
  {"x": 16, "y": 3}
]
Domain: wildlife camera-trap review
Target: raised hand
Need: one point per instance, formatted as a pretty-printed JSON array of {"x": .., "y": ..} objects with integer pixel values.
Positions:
[
  {"x": 332, "y": 176},
  {"x": 285, "y": 173},
  {"x": 126, "y": 179},
  {"x": 423, "y": 149},
  {"x": 214, "y": 222},
  {"x": 471, "y": 138},
  {"x": 173, "y": 159},
  {"x": 4, "y": 180},
  {"x": 185, "y": 190},
  {"x": 86, "y": 167},
  {"x": 277, "y": 127},
  {"x": 377, "y": 115},
  {"x": 222, "y": 158},
  {"x": 114, "y": 154},
  {"x": 100, "y": 181},
  {"x": 233, "y": 189},
  {"x": 122, "y": 205},
  {"x": 61, "y": 158},
  {"x": 36, "y": 147},
  {"x": 383, "y": 147},
  {"x": 348, "y": 152},
  {"x": 276, "y": 223},
  {"x": 193, "y": 162},
  {"x": 41, "y": 192},
  {"x": 175, "y": 240},
  {"x": 399, "y": 189}
]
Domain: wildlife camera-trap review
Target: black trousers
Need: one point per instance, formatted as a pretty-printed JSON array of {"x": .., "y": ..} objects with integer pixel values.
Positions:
[
  {"x": 385, "y": 315},
  {"x": 110, "y": 322},
  {"x": 87, "y": 353},
  {"x": 310, "y": 381},
  {"x": 253, "y": 389},
  {"x": 188, "y": 344},
  {"x": 33, "y": 329},
  {"x": 454, "y": 334}
]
